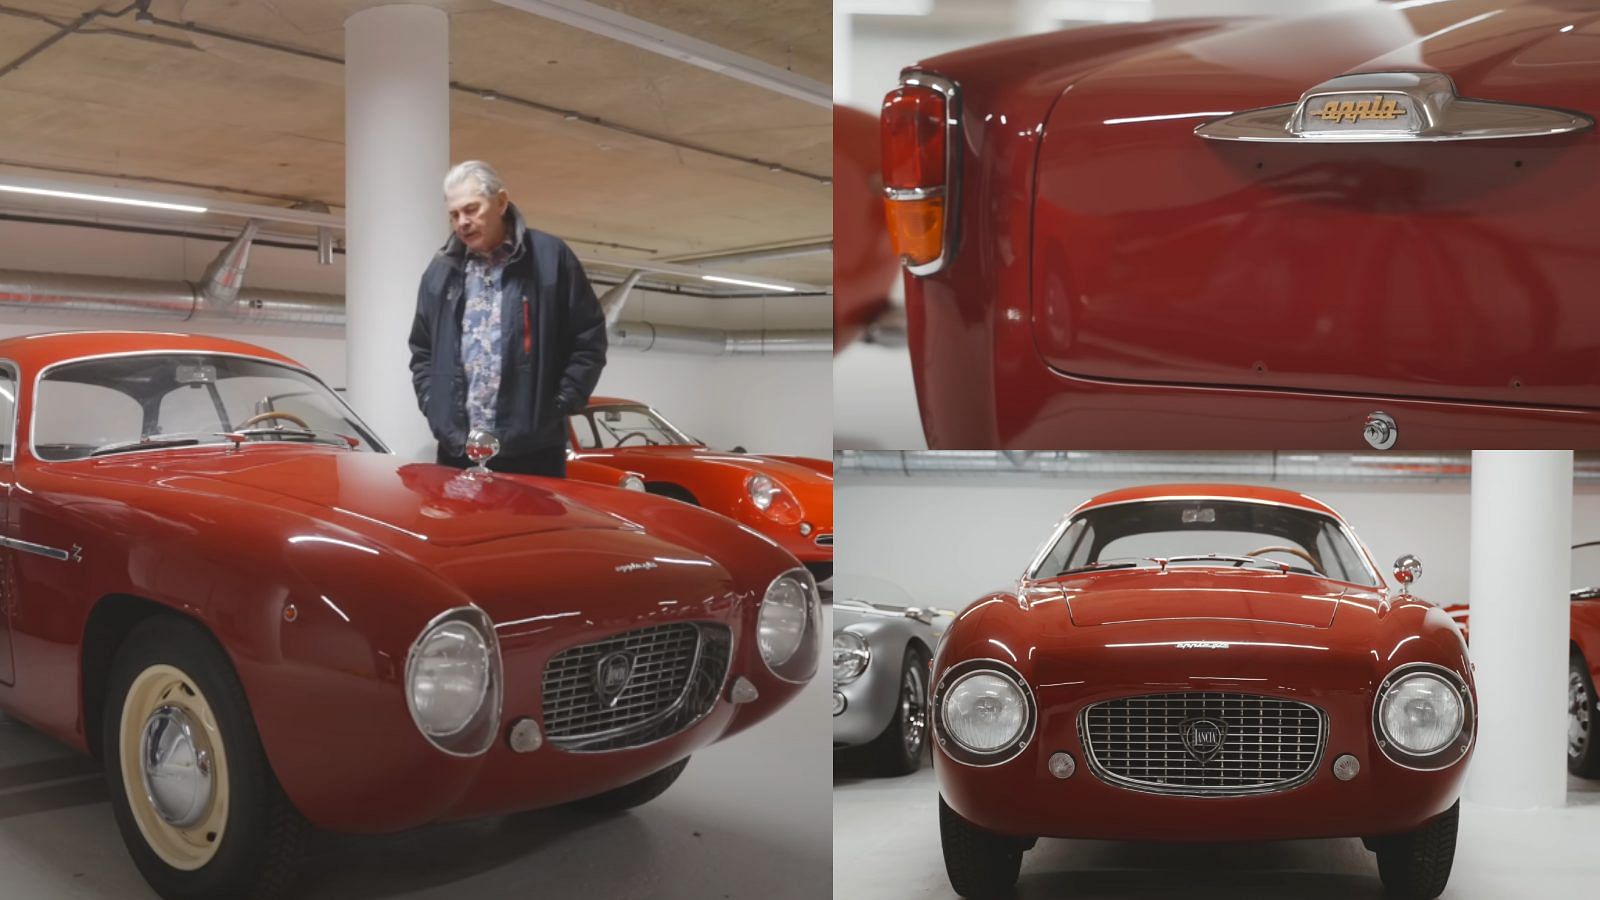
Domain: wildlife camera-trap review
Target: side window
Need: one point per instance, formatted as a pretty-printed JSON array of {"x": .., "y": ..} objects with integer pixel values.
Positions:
[
  {"x": 1331, "y": 563},
  {"x": 584, "y": 429},
  {"x": 8, "y": 410}
]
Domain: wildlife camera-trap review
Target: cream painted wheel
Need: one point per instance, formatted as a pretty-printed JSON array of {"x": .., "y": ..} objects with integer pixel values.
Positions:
[{"x": 174, "y": 767}]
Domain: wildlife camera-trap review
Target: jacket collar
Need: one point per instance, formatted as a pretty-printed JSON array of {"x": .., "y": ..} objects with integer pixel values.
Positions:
[{"x": 456, "y": 252}]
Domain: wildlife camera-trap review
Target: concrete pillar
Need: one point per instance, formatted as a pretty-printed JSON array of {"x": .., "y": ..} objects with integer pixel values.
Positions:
[
  {"x": 1520, "y": 569},
  {"x": 397, "y": 149}
]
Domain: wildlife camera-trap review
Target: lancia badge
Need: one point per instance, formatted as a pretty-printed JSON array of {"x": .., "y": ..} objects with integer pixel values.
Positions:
[
  {"x": 1203, "y": 737},
  {"x": 1391, "y": 106},
  {"x": 611, "y": 676}
]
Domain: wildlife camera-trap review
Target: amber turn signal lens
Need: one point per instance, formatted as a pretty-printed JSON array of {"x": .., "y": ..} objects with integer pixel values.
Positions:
[
  {"x": 916, "y": 228},
  {"x": 913, "y": 137}
]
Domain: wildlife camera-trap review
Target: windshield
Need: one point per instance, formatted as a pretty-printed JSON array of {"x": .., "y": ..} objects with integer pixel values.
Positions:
[
  {"x": 144, "y": 401},
  {"x": 1206, "y": 532},
  {"x": 604, "y": 427}
]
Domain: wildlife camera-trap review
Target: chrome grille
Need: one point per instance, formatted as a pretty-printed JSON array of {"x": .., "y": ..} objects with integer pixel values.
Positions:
[
  {"x": 1269, "y": 744},
  {"x": 678, "y": 671}
]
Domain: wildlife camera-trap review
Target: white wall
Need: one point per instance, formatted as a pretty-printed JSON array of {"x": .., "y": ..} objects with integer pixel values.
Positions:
[
  {"x": 946, "y": 540},
  {"x": 776, "y": 404}
]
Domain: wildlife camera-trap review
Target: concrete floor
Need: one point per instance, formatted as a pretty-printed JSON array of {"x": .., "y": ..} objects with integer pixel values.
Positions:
[
  {"x": 749, "y": 818},
  {"x": 886, "y": 847}
]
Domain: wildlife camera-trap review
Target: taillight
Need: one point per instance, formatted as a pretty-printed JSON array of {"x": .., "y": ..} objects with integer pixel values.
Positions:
[{"x": 918, "y": 170}]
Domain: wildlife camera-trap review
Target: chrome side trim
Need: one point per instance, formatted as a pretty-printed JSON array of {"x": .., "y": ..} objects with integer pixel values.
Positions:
[
  {"x": 1411, "y": 106},
  {"x": 952, "y": 164},
  {"x": 913, "y": 193},
  {"x": 55, "y": 553},
  {"x": 1132, "y": 784},
  {"x": 33, "y": 396}
]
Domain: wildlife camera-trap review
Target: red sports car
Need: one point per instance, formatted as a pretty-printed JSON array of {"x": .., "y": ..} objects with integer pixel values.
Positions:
[
  {"x": 787, "y": 498},
  {"x": 1368, "y": 228},
  {"x": 218, "y": 582},
  {"x": 1202, "y": 663}
]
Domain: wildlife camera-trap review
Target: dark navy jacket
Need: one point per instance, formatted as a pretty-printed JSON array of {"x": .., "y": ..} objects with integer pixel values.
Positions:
[{"x": 554, "y": 337}]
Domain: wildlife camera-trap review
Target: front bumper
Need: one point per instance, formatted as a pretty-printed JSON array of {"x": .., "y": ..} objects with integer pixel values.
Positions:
[
  {"x": 869, "y": 703},
  {"x": 1021, "y": 797}
]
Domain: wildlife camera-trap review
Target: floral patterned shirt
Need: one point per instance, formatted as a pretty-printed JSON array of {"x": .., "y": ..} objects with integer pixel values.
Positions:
[{"x": 483, "y": 334}]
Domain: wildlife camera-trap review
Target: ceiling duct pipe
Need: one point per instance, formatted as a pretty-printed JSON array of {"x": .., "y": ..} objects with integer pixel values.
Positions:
[
  {"x": 219, "y": 286},
  {"x": 1161, "y": 466},
  {"x": 48, "y": 292},
  {"x": 612, "y": 301}
]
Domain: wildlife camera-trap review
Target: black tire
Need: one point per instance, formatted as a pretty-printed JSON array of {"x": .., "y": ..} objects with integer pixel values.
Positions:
[
  {"x": 634, "y": 793},
  {"x": 900, "y": 748},
  {"x": 981, "y": 864},
  {"x": 1416, "y": 866},
  {"x": 261, "y": 835},
  {"x": 1583, "y": 720}
]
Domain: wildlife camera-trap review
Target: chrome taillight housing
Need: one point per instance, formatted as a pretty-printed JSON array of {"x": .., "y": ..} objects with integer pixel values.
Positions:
[{"x": 921, "y": 149}]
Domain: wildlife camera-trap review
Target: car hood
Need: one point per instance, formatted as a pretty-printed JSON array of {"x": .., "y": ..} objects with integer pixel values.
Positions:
[
  {"x": 406, "y": 501},
  {"x": 1315, "y": 266},
  {"x": 1119, "y": 598}
]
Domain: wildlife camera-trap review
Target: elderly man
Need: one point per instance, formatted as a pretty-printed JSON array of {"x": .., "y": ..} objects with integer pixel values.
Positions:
[{"x": 508, "y": 336}]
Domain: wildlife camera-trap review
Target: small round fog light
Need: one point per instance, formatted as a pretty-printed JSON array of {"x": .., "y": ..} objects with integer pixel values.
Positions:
[
  {"x": 1062, "y": 765},
  {"x": 838, "y": 703},
  {"x": 805, "y": 529},
  {"x": 1346, "y": 767}
]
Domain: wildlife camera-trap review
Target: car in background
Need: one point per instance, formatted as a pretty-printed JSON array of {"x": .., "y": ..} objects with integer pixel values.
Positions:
[
  {"x": 1583, "y": 660},
  {"x": 221, "y": 585},
  {"x": 1140, "y": 235},
  {"x": 787, "y": 498},
  {"x": 881, "y": 652},
  {"x": 600, "y": 473},
  {"x": 1202, "y": 663}
]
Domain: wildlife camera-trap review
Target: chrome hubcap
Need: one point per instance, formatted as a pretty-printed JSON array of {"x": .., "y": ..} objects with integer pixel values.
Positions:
[
  {"x": 175, "y": 760},
  {"x": 913, "y": 711},
  {"x": 1579, "y": 709}
]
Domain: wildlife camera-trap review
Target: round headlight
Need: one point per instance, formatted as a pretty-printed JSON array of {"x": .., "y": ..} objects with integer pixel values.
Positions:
[
  {"x": 781, "y": 624},
  {"x": 984, "y": 712},
  {"x": 850, "y": 655},
  {"x": 763, "y": 490},
  {"x": 448, "y": 677},
  {"x": 632, "y": 482},
  {"x": 1421, "y": 713}
]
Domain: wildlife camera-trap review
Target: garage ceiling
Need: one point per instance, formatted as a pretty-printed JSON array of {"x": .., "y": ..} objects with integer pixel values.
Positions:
[{"x": 595, "y": 138}]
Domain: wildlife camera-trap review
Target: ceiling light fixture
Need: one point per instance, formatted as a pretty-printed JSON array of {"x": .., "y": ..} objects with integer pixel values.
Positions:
[
  {"x": 100, "y": 198},
  {"x": 754, "y": 284}
]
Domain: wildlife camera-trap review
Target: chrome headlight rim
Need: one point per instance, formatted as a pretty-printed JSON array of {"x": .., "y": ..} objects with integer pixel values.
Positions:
[
  {"x": 477, "y": 736},
  {"x": 808, "y": 637},
  {"x": 862, "y": 654},
  {"x": 1455, "y": 750},
  {"x": 767, "y": 495},
  {"x": 953, "y": 748},
  {"x": 632, "y": 481}
]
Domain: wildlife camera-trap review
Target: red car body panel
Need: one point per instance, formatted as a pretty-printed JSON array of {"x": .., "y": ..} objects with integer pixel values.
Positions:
[
  {"x": 367, "y": 549},
  {"x": 864, "y": 265},
  {"x": 1116, "y": 274},
  {"x": 717, "y": 482},
  {"x": 1082, "y": 638}
]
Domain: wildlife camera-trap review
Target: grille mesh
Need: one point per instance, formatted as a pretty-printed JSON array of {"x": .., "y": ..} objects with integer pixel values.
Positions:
[
  {"x": 678, "y": 672},
  {"x": 1270, "y": 743}
]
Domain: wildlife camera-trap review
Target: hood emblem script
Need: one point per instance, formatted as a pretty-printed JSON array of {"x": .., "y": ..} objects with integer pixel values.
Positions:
[
  {"x": 1203, "y": 737},
  {"x": 611, "y": 676},
  {"x": 1391, "y": 106}
]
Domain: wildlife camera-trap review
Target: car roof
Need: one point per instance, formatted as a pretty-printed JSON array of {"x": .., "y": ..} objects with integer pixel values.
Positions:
[
  {"x": 35, "y": 351},
  {"x": 1250, "y": 493}
]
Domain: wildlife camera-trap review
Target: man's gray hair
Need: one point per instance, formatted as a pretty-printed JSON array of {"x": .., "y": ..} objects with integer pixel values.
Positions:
[{"x": 477, "y": 172}]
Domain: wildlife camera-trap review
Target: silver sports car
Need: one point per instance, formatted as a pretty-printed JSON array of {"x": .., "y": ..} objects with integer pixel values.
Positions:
[{"x": 881, "y": 654}]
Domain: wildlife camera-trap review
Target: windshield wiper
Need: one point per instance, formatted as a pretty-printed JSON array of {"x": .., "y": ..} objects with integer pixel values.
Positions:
[
  {"x": 1108, "y": 564},
  {"x": 322, "y": 437},
  {"x": 148, "y": 442},
  {"x": 1236, "y": 561}
]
